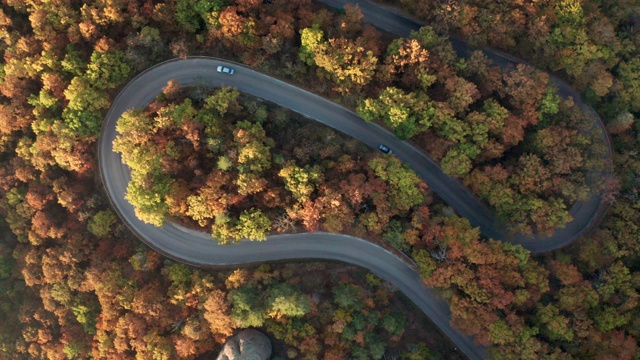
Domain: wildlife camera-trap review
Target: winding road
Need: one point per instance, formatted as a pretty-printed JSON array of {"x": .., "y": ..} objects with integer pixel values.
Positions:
[{"x": 197, "y": 248}]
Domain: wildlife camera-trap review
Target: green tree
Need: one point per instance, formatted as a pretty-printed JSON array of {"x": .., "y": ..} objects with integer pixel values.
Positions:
[
  {"x": 86, "y": 312},
  {"x": 198, "y": 209},
  {"x": 149, "y": 200},
  {"x": 501, "y": 333},
  {"x": 144, "y": 47},
  {"x": 629, "y": 76},
  {"x": 310, "y": 39},
  {"x": 6, "y": 266},
  {"x": 83, "y": 113},
  {"x": 44, "y": 103},
  {"x": 223, "y": 101},
  {"x": 456, "y": 163},
  {"x": 100, "y": 224},
  {"x": 347, "y": 296},
  {"x": 426, "y": 264},
  {"x": 300, "y": 181},
  {"x": 73, "y": 349},
  {"x": 496, "y": 114},
  {"x": 192, "y": 15},
  {"x": 405, "y": 113},
  {"x": 450, "y": 127},
  {"x": 609, "y": 318},
  {"x": 107, "y": 70},
  {"x": 406, "y": 188},
  {"x": 72, "y": 62},
  {"x": 254, "y": 147},
  {"x": 346, "y": 62},
  {"x": 569, "y": 11},
  {"x": 376, "y": 345},
  {"x": 550, "y": 103},
  {"x": 224, "y": 229},
  {"x": 395, "y": 322},
  {"x": 420, "y": 352},
  {"x": 393, "y": 234},
  {"x": 253, "y": 225},
  {"x": 287, "y": 300},
  {"x": 224, "y": 163},
  {"x": 553, "y": 324},
  {"x": 247, "y": 309}
]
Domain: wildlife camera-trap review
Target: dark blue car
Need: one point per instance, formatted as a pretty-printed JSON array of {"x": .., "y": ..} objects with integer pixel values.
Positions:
[{"x": 385, "y": 149}]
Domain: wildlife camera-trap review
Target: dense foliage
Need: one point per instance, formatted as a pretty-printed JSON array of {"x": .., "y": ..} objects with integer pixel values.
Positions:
[
  {"x": 496, "y": 129},
  {"x": 239, "y": 169},
  {"x": 594, "y": 44},
  {"x": 76, "y": 285},
  {"x": 505, "y": 133},
  {"x": 591, "y": 309}
]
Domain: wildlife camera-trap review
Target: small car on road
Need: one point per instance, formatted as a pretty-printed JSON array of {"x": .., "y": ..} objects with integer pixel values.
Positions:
[
  {"x": 385, "y": 149},
  {"x": 226, "y": 70}
]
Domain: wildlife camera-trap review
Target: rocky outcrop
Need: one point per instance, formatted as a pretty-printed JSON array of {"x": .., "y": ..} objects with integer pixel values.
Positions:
[{"x": 248, "y": 344}]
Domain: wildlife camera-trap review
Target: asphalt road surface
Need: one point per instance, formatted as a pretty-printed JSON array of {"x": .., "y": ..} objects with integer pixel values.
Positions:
[{"x": 199, "y": 249}]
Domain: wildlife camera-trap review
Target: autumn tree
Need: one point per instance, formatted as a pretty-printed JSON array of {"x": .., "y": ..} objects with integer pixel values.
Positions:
[
  {"x": 480, "y": 305},
  {"x": 100, "y": 224},
  {"x": 300, "y": 181},
  {"x": 405, "y": 188},
  {"x": 405, "y": 113},
  {"x": 409, "y": 61},
  {"x": 286, "y": 300},
  {"x": 107, "y": 67},
  {"x": 253, "y": 225},
  {"x": 83, "y": 113},
  {"x": 346, "y": 62},
  {"x": 248, "y": 309}
]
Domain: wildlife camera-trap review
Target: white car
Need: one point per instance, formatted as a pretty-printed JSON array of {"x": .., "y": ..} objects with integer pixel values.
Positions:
[{"x": 226, "y": 70}]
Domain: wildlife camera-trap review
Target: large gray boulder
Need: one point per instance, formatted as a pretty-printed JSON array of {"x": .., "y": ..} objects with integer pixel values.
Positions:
[{"x": 248, "y": 344}]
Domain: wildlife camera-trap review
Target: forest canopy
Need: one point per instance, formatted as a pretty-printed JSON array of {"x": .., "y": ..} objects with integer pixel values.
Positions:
[
  {"x": 229, "y": 164},
  {"x": 74, "y": 283}
]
